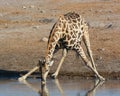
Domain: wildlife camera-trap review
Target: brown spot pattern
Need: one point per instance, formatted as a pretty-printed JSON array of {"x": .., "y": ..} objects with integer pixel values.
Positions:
[{"x": 70, "y": 29}]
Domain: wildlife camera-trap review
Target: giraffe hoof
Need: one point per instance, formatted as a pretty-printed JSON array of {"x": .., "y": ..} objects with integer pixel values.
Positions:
[
  {"x": 53, "y": 76},
  {"x": 102, "y": 79},
  {"x": 21, "y": 78}
]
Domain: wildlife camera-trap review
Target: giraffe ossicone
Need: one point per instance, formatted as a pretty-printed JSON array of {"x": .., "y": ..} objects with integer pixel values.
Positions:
[{"x": 67, "y": 34}]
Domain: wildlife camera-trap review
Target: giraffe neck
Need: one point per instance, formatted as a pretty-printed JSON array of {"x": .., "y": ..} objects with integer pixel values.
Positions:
[
  {"x": 53, "y": 39},
  {"x": 49, "y": 53}
]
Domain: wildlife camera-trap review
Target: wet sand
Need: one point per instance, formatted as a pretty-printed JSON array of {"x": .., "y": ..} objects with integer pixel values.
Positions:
[{"x": 24, "y": 23}]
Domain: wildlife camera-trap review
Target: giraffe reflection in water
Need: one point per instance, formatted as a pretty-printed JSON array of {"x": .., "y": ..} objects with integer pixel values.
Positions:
[
  {"x": 45, "y": 92},
  {"x": 42, "y": 92},
  {"x": 92, "y": 91}
]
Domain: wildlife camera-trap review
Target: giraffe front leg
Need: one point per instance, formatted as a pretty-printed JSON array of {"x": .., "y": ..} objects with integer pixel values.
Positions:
[
  {"x": 88, "y": 63},
  {"x": 60, "y": 64},
  {"x": 29, "y": 73}
]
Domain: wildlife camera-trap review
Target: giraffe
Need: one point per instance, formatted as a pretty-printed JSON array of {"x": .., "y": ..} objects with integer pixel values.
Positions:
[{"x": 67, "y": 34}]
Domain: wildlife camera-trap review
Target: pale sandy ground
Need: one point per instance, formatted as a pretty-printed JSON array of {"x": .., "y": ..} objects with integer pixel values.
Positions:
[{"x": 23, "y": 23}]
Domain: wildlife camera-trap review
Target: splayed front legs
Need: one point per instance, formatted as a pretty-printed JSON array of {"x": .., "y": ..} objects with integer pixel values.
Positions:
[
  {"x": 29, "y": 73},
  {"x": 60, "y": 64},
  {"x": 44, "y": 70}
]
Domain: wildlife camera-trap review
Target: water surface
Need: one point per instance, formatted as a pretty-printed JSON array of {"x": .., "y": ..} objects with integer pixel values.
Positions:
[{"x": 32, "y": 87}]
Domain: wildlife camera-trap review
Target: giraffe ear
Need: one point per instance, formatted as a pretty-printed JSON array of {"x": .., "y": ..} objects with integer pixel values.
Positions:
[{"x": 51, "y": 63}]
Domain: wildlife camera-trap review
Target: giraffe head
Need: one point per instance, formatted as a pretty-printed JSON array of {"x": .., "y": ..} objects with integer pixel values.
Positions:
[{"x": 44, "y": 68}]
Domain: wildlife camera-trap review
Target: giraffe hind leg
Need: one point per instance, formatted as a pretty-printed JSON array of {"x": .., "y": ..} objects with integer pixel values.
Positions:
[
  {"x": 60, "y": 64},
  {"x": 88, "y": 63},
  {"x": 86, "y": 41}
]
